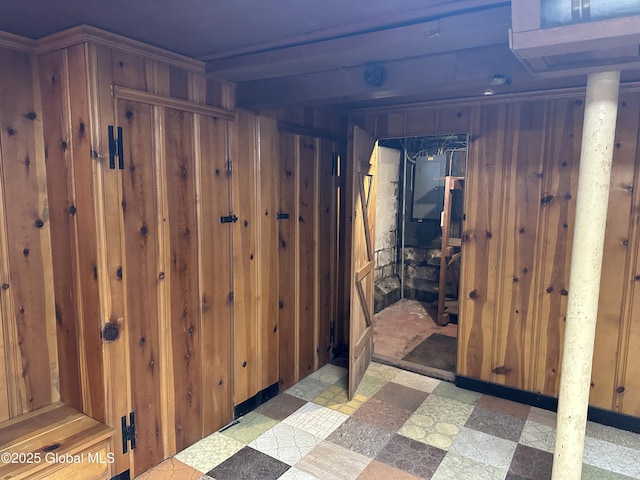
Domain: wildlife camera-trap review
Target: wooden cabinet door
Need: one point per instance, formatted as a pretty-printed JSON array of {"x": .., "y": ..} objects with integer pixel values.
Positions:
[
  {"x": 363, "y": 194},
  {"x": 177, "y": 274}
]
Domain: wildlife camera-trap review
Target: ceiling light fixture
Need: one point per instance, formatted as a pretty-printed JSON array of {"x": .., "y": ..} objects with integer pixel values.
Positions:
[{"x": 500, "y": 79}]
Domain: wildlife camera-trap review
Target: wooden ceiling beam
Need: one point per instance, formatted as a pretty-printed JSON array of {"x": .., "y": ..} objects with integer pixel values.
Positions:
[
  {"x": 432, "y": 10},
  {"x": 468, "y": 70},
  {"x": 477, "y": 28}
]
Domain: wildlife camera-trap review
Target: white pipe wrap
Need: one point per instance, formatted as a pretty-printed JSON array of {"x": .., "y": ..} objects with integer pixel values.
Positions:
[{"x": 598, "y": 137}]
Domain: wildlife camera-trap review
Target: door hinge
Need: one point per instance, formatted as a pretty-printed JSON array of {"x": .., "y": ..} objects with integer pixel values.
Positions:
[
  {"x": 334, "y": 165},
  {"x": 332, "y": 331},
  {"x": 128, "y": 432},
  {"x": 282, "y": 216},
  {"x": 229, "y": 166},
  {"x": 116, "y": 148},
  {"x": 231, "y": 218}
]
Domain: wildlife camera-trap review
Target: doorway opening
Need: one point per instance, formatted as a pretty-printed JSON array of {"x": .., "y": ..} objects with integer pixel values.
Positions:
[{"x": 418, "y": 251}]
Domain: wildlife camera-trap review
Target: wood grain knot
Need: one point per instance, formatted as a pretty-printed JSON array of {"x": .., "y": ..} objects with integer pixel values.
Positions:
[
  {"x": 64, "y": 145},
  {"x": 546, "y": 200},
  {"x": 31, "y": 115},
  {"x": 110, "y": 332},
  {"x": 81, "y": 127},
  {"x": 459, "y": 114},
  {"x": 144, "y": 230},
  {"x": 39, "y": 223},
  {"x": 549, "y": 289},
  {"x": 473, "y": 294},
  {"x": 51, "y": 448},
  {"x": 489, "y": 234},
  {"x": 5, "y": 286},
  {"x": 119, "y": 273},
  {"x": 522, "y": 230},
  {"x": 129, "y": 114},
  {"x": 25, "y": 252},
  {"x": 502, "y": 370},
  {"x": 620, "y": 389},
  {"x": 244, "y": 364},
  {"x": 564, "y": 225},
  {"x": 72, "y": 210},
  {"x": 578, "y": 102},
  {"x": 625, "y": 242},
  {"x": 563, "y": 292},
  {"x": 142, "y": 341},
  {"x": 567, "y": 196},
  {"x": 11, "y": 131},
  {"x": 161, "y": 275},
  {"x": 280, "y": 305},
  {"x": 637, "y": 278}
]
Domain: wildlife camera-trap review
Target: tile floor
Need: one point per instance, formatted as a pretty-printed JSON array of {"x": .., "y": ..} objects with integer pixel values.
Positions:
[{"x": 400, "y": 426}]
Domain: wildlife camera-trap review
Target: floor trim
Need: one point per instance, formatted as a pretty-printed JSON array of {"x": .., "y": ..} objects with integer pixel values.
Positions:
[
  {"x": 414, "y": 367},
  {"x": 598, "y": 415}
]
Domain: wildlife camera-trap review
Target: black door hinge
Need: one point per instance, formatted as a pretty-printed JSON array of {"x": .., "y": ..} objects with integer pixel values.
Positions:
[
  {"x": 332, "y": 332},
  {"x": 282, "y": 216},
  {"x": 231, "y": 218},
  {"x": 116, "y": 149},
  {"x": 128, "y": 432},
  {"x": 334, "y": 165}
]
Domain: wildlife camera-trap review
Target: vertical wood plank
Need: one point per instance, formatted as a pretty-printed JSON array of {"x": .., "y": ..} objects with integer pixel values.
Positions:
[
  {"x": 52, "y": 80},
  {"x": 307, "y": 220},
  {"x": 140, "y": 276},
  {"x": 326, "y": 252},
  {"x": 26, "y": 222},
  {"x": 480, "y": 241},
  {"x": 245, "y": 307},
  {"x": 216, "y": 277},
  {"x": 185, "y": 316},
  {"x": 108, "y": 209},
  {"x": 288, "y": 251},
  {"x": 521, "y": 228},
  {"x": 267, "y": 253},
  {"x": 616, "y": 259}
]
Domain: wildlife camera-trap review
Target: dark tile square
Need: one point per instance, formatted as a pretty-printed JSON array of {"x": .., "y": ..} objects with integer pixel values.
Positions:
[
  {"x": 496, "y": 424},
  {"x": 413, "y": 457},
  {"x": 281, "y": 406},
  {"x": 530, "y": 463},
  {"x": 360, "y": 437},
  {"x": 401, "y": 396},
  {"x": 507, "y": 407},
  {"x": 382, "y": 414},
  {"x": 249, "y": 464}
]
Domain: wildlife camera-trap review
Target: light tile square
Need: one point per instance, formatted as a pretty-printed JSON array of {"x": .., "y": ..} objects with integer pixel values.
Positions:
[
  {"x": 209, "y": 452},
  {"x": 328, "y": 461},
  {"x": 294, "y": 474},
  {"x": 538, "y": 435},
  {"x": 308, "y": 389},
  {"x": 369, "y": 385},
  {"x": 285, "y": 443},
  {"x": 383, "y": 372},
  {"x": 437, "y": 421},
  {"x": 484, "y": 448},
  {"x": 417, "y": 381},
  {"x": 614, "y": 458},
  {"x": 457, "y": 467},
  {"x": 449, "y": 390},
  {"x": 249, "y": 427},
  {"x": 335, "y": 398},
  {"x": 329, "y": 373},
  {"x": 316, "y": 420},
  {"x": 543, "y": 417}
]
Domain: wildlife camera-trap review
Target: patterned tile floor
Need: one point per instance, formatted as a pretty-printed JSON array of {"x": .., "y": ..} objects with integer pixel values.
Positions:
[{"x": 400, "y": 426}]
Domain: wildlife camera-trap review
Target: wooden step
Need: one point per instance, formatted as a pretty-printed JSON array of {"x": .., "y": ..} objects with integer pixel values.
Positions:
[{"x": 54, "y": 442}]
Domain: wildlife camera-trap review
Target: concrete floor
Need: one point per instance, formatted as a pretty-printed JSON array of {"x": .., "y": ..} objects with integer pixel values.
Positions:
[{"x": 400, "y": 327}]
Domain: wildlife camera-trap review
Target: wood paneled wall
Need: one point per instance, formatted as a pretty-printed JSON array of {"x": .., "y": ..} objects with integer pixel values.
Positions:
[
  {"x": 285, "y": 270},
  {"x": 29, "y": 365},
  {"x": 520, "y": 195}
]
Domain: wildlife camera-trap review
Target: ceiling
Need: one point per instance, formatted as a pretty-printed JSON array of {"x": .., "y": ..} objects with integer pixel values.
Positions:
[{"x": 310, "y": 52}]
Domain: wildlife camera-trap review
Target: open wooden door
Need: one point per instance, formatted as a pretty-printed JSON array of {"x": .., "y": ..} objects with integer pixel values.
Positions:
[{"x": 363, "y": 182}]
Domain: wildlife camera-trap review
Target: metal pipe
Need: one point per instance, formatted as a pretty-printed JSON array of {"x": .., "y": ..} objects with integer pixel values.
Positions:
[
  {"x": 404, "y": 217},
  {"x": 594, "y": 177}
]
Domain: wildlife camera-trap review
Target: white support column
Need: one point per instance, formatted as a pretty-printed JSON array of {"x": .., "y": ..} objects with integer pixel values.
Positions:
[{"x": 598, "y": 133}]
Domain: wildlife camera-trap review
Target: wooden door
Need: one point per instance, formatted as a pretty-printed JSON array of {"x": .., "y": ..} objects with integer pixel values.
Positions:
[
  {"x": 177, "y": 277},
  {"x": 363, "y": 180}
]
